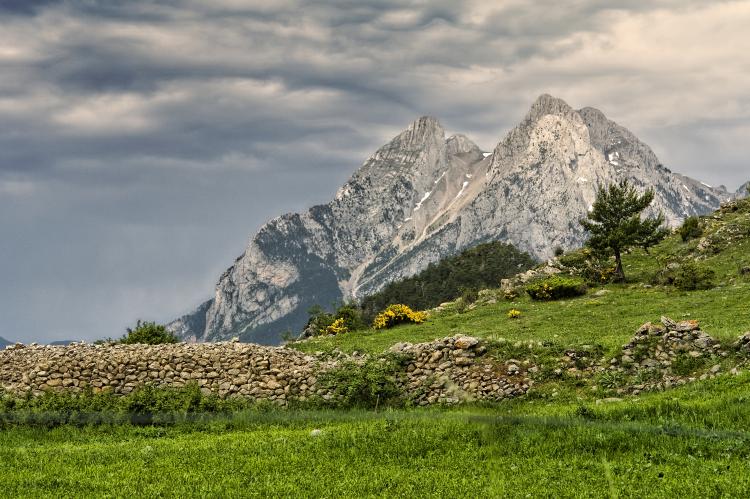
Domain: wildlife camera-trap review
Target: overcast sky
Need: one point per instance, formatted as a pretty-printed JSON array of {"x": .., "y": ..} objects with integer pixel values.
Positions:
[{"x": 142, "y": 143}]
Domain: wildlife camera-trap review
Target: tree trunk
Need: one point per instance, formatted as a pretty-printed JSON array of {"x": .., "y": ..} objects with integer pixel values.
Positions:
[{"x": 619, "y": 272}]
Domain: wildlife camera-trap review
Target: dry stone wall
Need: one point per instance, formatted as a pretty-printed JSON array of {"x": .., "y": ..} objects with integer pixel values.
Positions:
[
  {"x": 443, "y": 371},
  {"x": 227, "y": 369},
  {"x": 446, "y": 371}
]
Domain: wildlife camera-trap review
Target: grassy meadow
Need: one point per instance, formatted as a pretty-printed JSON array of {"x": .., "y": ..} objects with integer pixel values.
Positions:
[{"x": 690, "y": 442}]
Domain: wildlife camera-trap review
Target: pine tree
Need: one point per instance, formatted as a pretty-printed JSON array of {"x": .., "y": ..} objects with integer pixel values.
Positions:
[{"x": 615, "y": 222}]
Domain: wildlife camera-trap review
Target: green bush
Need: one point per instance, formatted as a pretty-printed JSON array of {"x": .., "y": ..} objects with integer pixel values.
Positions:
[
  {"x": 351, "y": 316},
  {"x": 690, "y": 229},
  {"x": 365, "y": 385},
  {"x": 148, "y": 333},
  {"x": 468, "y": 296},
  {"x": 575, "y": 259},
  {"x": 595, "y": 270},
  {"x": 686, "y": 276},
  {"x": 556, "y": 287},
  {"x": 320, "y": 321},
  {"x": 691, "y": 276}
]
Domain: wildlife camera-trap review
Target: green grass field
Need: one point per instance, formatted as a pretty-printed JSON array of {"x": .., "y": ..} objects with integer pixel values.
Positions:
[
  {"x": 690, "y": 442},
  {"x": 561, "y": 440}
]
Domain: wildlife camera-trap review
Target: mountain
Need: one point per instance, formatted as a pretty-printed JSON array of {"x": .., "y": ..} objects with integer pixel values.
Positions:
[
  {"x": 744, "y": 190},
  {"x": 422, "y": 197},
  {"x": 4, "y": 343}
]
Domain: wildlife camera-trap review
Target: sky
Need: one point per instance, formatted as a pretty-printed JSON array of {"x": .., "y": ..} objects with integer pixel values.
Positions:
[{"x": 143, "y": 143}]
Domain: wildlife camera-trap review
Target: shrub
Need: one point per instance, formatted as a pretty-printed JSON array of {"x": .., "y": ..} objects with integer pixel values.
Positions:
[
  {"x": 397, "y": 314},
  {"x": 575, "y": 259},
  {"x": 559, "y": 251},
  {"x": 469, "y": 295},
  {"x": 369, "y": 384},
  {"x": 556, "y": 287},
  {"x": 690, "y": 229},
  {"x": 585, "y": 263},
  {"x": 514, "y": 314},
  {"x": 346, "y": 318},
  {"x": 611, "y": 379},
  {"x": 686, "y": 276},
  {"x": 146, "y": 405},
  {"x": 148, "y": 333},
  {"x": 318, "y": 322},
  {"x": 337, "y": 327},
  {"x": 690, "y": 276}
]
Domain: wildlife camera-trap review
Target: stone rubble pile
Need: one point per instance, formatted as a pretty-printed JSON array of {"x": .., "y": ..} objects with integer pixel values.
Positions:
[
  {"x": 453, "y": 370},
  {"x": 658, "y": 347}
]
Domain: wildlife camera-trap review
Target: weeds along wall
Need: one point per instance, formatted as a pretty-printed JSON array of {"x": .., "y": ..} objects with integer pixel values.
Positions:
[{"x": 443, "y": 371}]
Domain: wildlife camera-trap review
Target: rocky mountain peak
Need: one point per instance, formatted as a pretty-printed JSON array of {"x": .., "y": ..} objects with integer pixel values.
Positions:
[
  {"x": 547, "y": 104},
  {"x": 461, "y": 144},
  {"x": 420, "y": 131}
]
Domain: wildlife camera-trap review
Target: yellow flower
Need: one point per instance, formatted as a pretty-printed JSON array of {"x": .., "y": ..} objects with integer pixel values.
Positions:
[
  {"x": 514, "y": 314},
  {"x": 398, "y": 314},
  {"x": 338, "y": 327}
]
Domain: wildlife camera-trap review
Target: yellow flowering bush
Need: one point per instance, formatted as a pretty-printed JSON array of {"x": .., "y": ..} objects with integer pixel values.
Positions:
[
  {"x": 398, "y": 314},
  {"x": 337, "y": 327},
  {"x": 514, "y": 314}
]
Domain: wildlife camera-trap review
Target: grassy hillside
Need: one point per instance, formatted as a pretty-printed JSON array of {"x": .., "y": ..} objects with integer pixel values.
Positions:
[{"x": 609, "y": 314}]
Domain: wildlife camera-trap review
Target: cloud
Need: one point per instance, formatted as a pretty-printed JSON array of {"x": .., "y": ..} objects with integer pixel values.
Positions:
[{"x": 144, "y": 141}]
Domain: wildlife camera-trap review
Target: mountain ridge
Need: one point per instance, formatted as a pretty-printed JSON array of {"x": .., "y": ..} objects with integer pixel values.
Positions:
[{"x": 422, "y": 197}]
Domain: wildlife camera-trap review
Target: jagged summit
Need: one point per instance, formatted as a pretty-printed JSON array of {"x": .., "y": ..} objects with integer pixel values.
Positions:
[
  {"x": 547, "y": 104},
  {"x": 461, "y": 144},
  {"x": 422, "y": 197},
  {"x": 420, "y": 130}
]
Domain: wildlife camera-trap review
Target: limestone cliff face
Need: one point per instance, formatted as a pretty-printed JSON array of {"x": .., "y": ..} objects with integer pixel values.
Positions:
[{"x": 423, "y": 197}]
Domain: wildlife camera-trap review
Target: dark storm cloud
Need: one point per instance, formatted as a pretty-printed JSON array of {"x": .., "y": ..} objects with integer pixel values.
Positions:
[
  {"x": 24, "y": 7},
  {"x": 142, "y": 142}
]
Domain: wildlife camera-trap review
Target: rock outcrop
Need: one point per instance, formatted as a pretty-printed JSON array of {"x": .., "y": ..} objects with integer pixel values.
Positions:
[{"x": 423, "y": 197}]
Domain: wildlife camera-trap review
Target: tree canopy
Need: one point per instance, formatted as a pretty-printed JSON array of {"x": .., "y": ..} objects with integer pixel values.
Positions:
[{"x": 615, "y": 223}]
